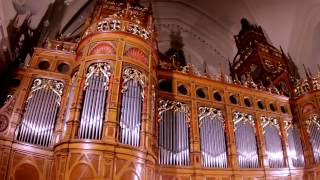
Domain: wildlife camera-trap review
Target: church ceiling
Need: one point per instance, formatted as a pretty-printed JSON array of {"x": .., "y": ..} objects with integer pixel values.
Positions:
[{"x": 206, "y": 28}]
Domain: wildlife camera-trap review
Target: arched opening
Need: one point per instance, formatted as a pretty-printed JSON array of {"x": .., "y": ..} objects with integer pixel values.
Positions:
[{"x": 26, "y": 171}]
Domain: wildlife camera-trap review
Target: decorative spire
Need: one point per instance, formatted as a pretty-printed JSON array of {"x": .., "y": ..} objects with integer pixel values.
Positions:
[{"x": 305, "y": 70}]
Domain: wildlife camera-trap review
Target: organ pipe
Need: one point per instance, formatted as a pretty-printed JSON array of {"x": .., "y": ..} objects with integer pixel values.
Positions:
[
  {"x": 295, "y": 147},
  {"x": 313, "y": 128},
  {"x": 173, "y": 124},
  {"x": 213, "y": 145},
  {"x": 40, "y": 112},
  {"x": 96, "y": 90},
  {"x": 272, "y": 137},
  {"x": 131, "y": 106},
  {"x": 245, "y": 140}
]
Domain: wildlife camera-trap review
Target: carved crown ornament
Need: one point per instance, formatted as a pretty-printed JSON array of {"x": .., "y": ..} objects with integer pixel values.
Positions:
[
  {"x": 176, "y": 106},
  {"x": 212, "y": 113},
  {"x": 239, "y": 117},
  {"x": 314, "y": 119},
  {"x": 269, "y": 121},
  {"x": 272, "y": 68},
  {"x": 48, "y": 84},
  {"x": 288, "y": 125},
  {"x": 115, "y": 23},
  {"x": 98, "y": 69},
  {"x": 130, "y": 73},
  {"x": 306, "y": 85}
]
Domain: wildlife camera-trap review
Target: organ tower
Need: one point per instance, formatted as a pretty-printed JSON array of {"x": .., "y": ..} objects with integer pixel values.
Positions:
[{"x": 106, "y": 106}]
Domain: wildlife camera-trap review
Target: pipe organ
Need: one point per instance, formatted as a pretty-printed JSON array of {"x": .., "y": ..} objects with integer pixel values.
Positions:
[
  {"x": 212, "y": 135},
  {"x": 245, "y": 140},
  {"x": 273, "y": 142},
  {"x": 295, "y": 146},
  {"x": 131, "y": 106},
  {"x": 107, "y": 107},
  {"x": 40, "y": 112},
  {"x": 313, "y": 129},
  {"x": 96, "y": 91},
  {"x": 173, "y": 130}
]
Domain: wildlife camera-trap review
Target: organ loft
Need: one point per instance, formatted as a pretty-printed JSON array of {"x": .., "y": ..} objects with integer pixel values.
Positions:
[{"x": 108, "y": 105}]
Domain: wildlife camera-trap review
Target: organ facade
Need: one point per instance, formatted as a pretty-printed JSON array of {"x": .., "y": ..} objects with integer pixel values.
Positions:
[{"x": 110, "y": 107}]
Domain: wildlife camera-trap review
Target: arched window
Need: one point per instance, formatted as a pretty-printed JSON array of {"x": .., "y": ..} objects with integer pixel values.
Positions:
[
  {"x": 40, "y": 112},
  {"x": 212, "y": 136},
  {"x": 173, "y": 130},
  {"x": 245, "y": 140},
  {"x": 95, "y": 95},
  {"x": 131, "y": 106},
  {"x": 295, "y": 147},
  {"x": 272, "y": 142}
]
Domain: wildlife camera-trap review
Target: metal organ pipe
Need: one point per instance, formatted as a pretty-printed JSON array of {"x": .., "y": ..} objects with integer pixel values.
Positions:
[
  {"x": 40, "y": 112},
  {"x": 313, "y": 129},
  {"x": 96, "y": 90},
  {"x": 173, "y": 137},
  {"x": 273, "y": 142},
  {"x": 295, "y": 146},
  {"x": 212, "y": 136},
  {"x": 245, "y": 140},
  {"x": 131, "y": 106}
]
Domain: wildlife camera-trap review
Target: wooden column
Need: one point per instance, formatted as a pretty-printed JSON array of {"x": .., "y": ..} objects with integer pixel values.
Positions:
[
  {"x": 73, "y": 123},
  {"x": 111, "y": 124},
  {"x": 17, "y": 114},
  {"x": 195, "y": 150},
  {"x": 284, "y": 141},
  {"x": 231, "y": 141},
  {"x": 263, "y": 158}
]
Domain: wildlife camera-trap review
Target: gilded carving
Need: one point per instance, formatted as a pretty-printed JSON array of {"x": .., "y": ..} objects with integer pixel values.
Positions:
[
  {"x": 312, "y": 120},
  {"x": 243, "y": 118},
  {"x": 97, "y": 69},
  {"x": 132, "y": 74},
  {"x": 269, "y": 121},
  {"x": 209, "y": 112},
  {"x": 49, "y": 84},
  {"x": 176, "y": 106}
]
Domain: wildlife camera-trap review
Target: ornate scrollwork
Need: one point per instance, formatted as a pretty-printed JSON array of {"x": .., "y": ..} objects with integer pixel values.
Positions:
[
  {"x": 176, "y": 106},
  {"x": 102, "y": 26},
  {"x": 288, "y": 125},
  {"x": 132, "y": 74},
  {"x": 115, "y": 25},
  {"x": 137, "y": 30},
  {"x": 106, "y": 25},
  {"x": 212, "y": 113},
  {"x": 270, "y": 67},
  {"x": 269, "y": 121},
  {"x": 97, "y": 69},
  {"x": 242, "y": 117},
  {"x": 49, "y": 84},
  {"x": 313, "y": 119}
]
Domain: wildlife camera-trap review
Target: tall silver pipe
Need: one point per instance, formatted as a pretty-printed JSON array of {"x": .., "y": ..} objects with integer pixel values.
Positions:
[
  {"x": 92, "y": 116},
  {"x": 39, "y": 111},
  {"x": 30, "y": 122},
  {"x": 245, "y": 140}
]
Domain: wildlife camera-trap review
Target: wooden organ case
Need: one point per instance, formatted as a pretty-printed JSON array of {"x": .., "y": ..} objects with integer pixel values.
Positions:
[{"x": 106, "y": 108}]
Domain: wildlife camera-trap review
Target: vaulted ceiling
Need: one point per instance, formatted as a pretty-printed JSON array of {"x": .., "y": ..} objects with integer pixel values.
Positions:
[{"x": 207, "y": 27}]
